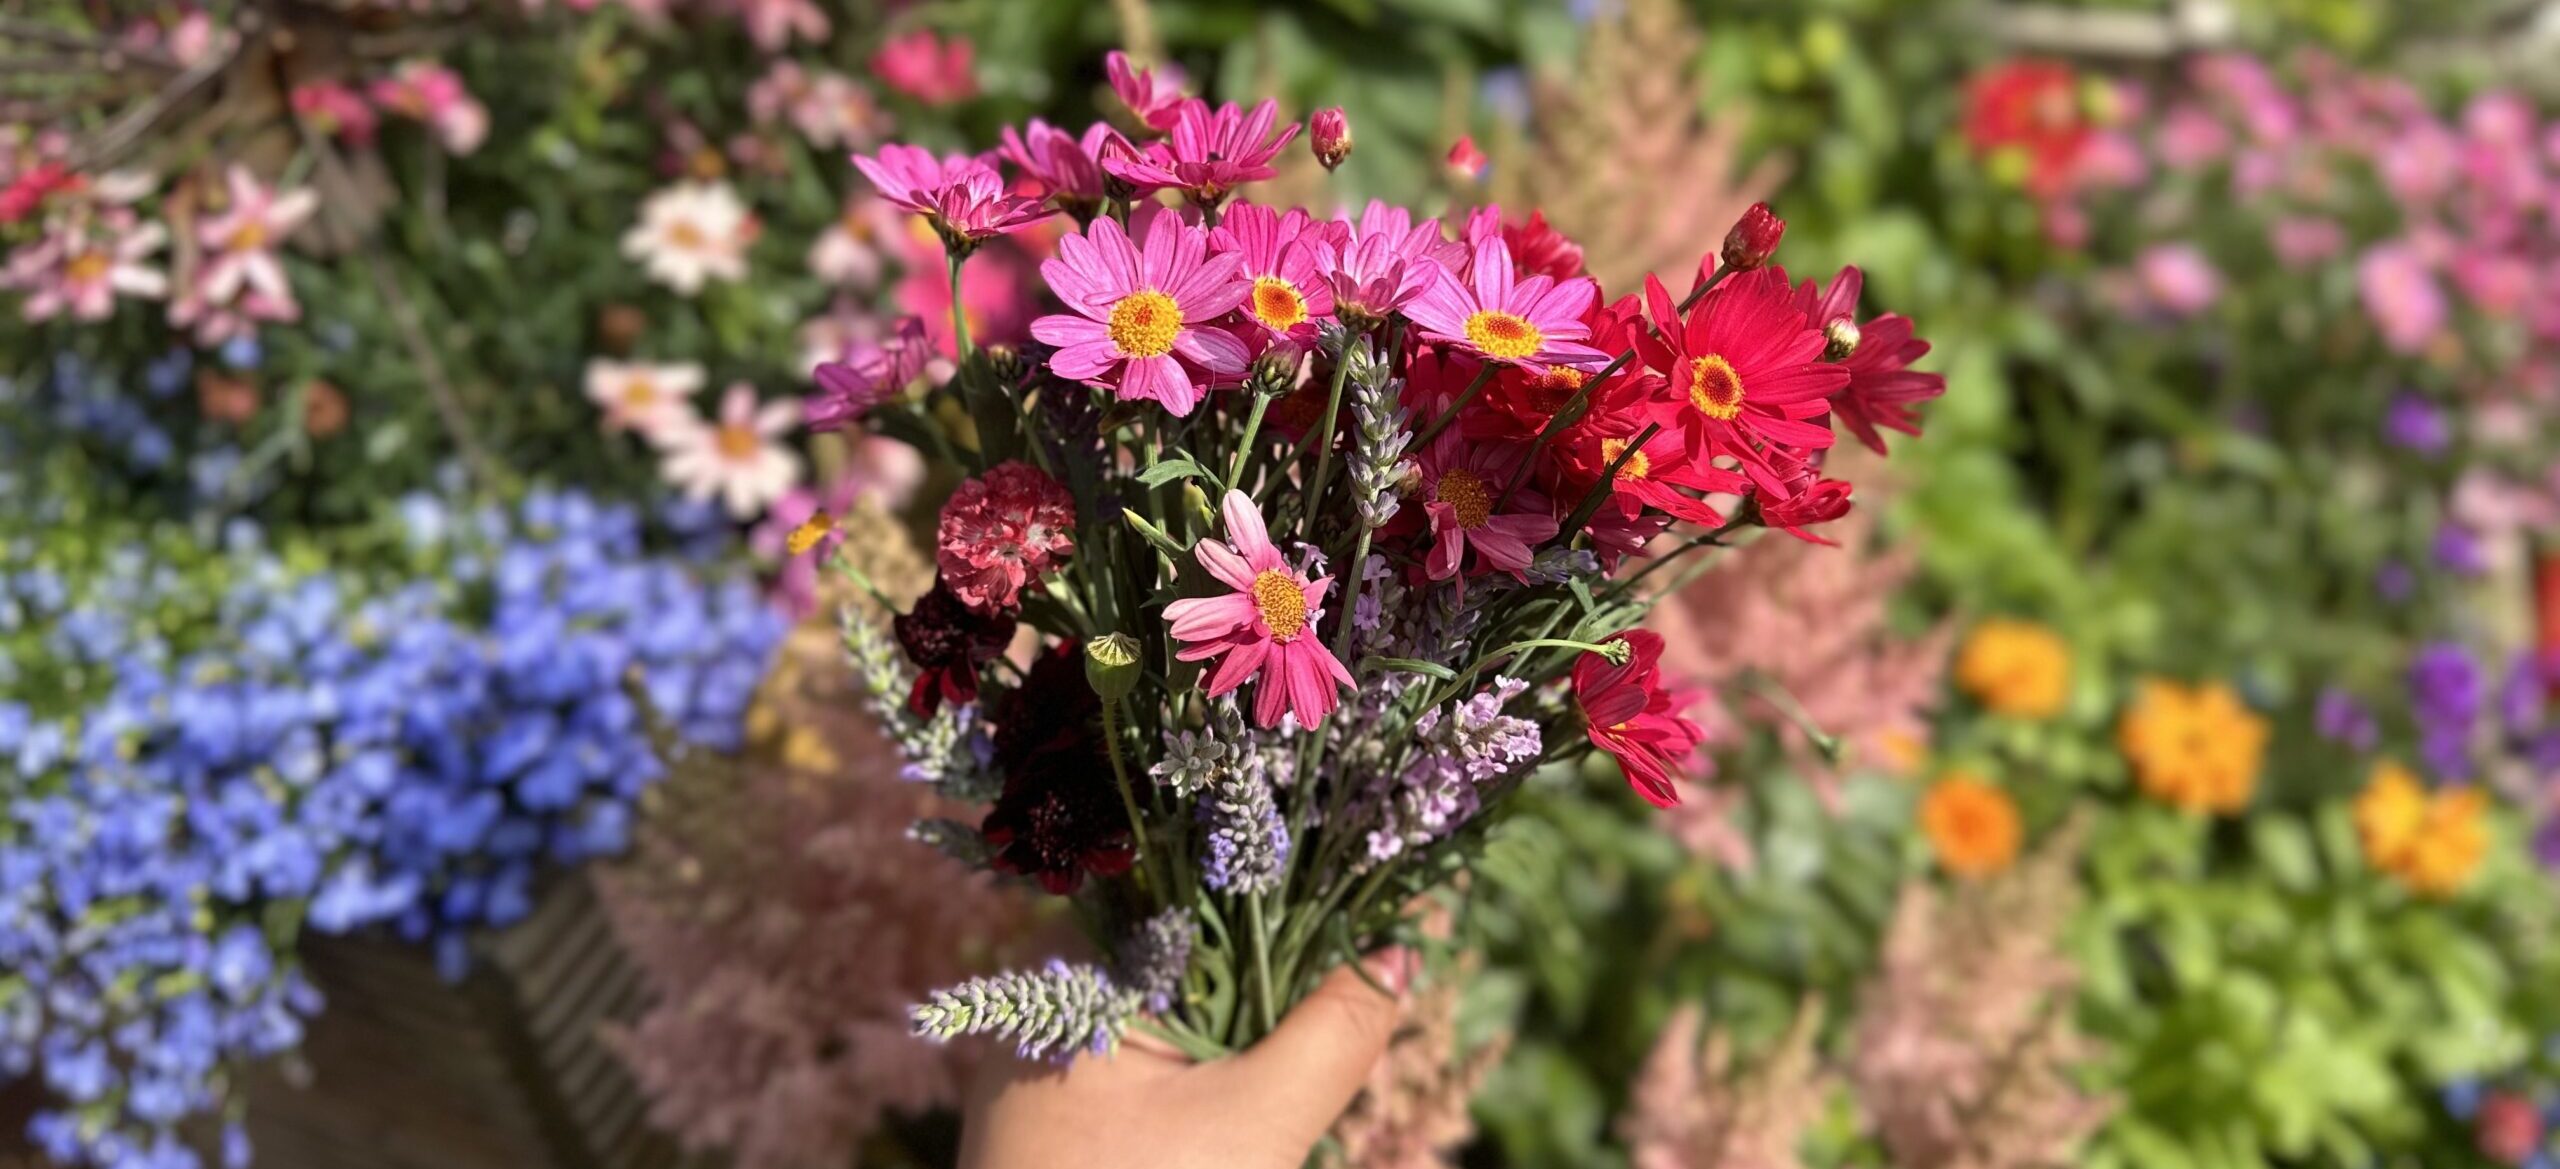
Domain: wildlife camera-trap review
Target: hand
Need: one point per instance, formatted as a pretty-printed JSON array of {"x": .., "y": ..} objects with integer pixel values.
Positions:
[{"x": 1145, "y": 1107}]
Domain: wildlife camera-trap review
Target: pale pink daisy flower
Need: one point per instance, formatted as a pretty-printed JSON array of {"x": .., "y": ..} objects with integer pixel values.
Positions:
[
  {"x": 428, "y": 92},
  {"x": 82, "y": 262},
  {"x": 962, "y": 197},
  {"x": 1536, "y": 321},
  {"x": 772, "y": 23},
  {"x": 1155, "y": 97},
  {"x": 239, "y": 244},
  {"x": 827, "y": 107},
  {"x": 641, "y": 396},
  {"x": 1385, "y": 261},
  {"x": 1210, "y": 152},
  {"x": 1281, "y": 253},
  {"x": 1459, "y": 485},
  {"x": 1265, "y": 629},
  {"x": 691, "y": 233},
  {"x": 848, "y": 251},
  {"x": 1140, "y": 322},
  {"x": 735, "y": 456}
]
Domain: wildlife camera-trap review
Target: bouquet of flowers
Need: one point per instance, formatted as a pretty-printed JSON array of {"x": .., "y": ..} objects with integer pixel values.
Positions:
[{"x": 1332, "y": 534}]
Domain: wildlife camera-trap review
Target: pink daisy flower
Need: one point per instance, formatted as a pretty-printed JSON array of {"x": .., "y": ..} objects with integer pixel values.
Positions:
[
  {"x": 1748, "y": 369},
  {"x": 1139, "y": 325},
  {"x": 1210, "y": 152},
  {"x": 1280, "y": 255},
  {"x": 962, "y": 197},
  {"x": 1068, "y": 169},
  {"x": 1384, "y": 262},
  {"x": 1536, "y": 321},
  {"x": 1264, "y": 629},
  {"x": 1002, "y": 531},
  {"x": 1155, "y": 97},
  {"x": 869, "y": 373},
  {"x": 83, "y": 262},
  {"x": 1460, "y": 482},
  {"x": 928, "y": 68}
]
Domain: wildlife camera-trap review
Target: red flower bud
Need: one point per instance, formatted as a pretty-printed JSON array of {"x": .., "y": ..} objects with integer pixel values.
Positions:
[
  {"x": 1820, "y": 503},
  {"x": 1466, "y": 162},
  {"x": 1754, "y": 238},
  {"x": 1329, "y": 134}
]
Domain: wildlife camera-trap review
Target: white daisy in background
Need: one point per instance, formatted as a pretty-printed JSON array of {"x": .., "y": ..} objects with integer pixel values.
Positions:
[
  {"x": 848, "y": 251},
  {"x": 692, "y": 232},
  {"x": 734, "y": 456},
  {"x": 639, "y": 396}
]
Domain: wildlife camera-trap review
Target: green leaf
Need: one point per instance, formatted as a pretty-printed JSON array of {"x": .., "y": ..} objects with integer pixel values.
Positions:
[
  {"x": 1409, "y": 666},
  {"x": 1154, "y": 535},
  {"x": 1170, "y": 470}
]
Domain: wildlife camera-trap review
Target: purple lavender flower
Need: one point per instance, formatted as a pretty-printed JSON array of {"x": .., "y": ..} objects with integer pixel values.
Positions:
[
  {"x": 2415, "y": 424},
  {"x": 2444, "y": 697},
  {"x": 1475, "y": 746},
  {"x": 2546, "y": 843}
]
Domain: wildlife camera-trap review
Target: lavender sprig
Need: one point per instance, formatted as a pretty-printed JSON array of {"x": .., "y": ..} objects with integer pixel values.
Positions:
[{"x": 1051, "y": 1014}]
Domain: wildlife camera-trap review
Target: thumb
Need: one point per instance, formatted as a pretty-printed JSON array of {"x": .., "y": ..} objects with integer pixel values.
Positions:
[{"x": 1306, "y": 1071}]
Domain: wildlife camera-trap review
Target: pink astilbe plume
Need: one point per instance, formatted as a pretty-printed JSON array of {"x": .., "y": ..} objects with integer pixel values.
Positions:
[
  {"x": 1965, "y": 1046},
  {"x": 1693, "y": 1108}
]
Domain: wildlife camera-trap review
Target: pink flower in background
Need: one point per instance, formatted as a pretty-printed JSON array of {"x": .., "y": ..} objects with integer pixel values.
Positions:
[
  {"x": 1155, "y": 97},
  {"x": 848, "y": 251},
  {"x": 240, "y": 280},
  {"x": 1067, "y": 168},
  {"x": 868, "y": 374},
  {"x": 336, "y": 110},
  {"x": 1467, "y": 162},
  {"x": 2301, "y": 241},
  {"x": 642, "y": 397},
  {"x": 82, "y": 261},
  {"x": 1265, "y": 629},
  {"x": 736, "y": 456},
  {"x": 1382, "y": 263},
  {"x": 2497, "y": 283},
  {"x": 828, "y": 108},
  {"x": 1210, "y": 152},
  {"x": 1536, "y": 321},
  {"x": 2190, "y": 138},
  {"x": 963, "y": 198},
  {"x": 882, "y": 469},
  {"x": 428, "y": 92},
  {"x": 2178, "y": 278},
  {"x": 691, "y": 233},
  {"x": 1279, "y": 253},
  {"x": 1459, "y": 487},
  {"x": 2401, "y": 295},
  {"x": 2419, "y": 163},
  {"x": 2111, "y": 158},
  {"x": 1002, "y": 531},
  {"x": 928, "y": 68},
  {"x": 772, "y": 23},
  {"x": 1140, "y": 325}
]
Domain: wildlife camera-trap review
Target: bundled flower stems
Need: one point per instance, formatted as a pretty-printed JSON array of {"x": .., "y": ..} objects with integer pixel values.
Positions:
[{"x": 1332, "y": 532}]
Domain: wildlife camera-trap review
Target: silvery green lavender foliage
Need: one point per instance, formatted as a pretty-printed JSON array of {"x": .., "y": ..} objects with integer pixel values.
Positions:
[
  {"x": 947, "y": 749},
  {"x": 1157, "y": 954},
  {"x": 1055, "y": 1014},
  {"x": 213, "y": 748}
]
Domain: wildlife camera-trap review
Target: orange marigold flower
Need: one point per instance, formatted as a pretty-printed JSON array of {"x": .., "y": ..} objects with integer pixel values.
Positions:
[
  {"x": 1972, "y": 825},
  {"x": 2017, "y": 668},
  {"x": 2389, "y": 814},
  {"x": 2431, "y": 841},
  {"x": 2193, "y": 747}
]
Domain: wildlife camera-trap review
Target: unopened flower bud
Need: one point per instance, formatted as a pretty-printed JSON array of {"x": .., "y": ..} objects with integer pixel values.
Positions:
[
  {"x": 1276, "y": 371},
  {"x": 1754, "y": 238},
  {"x": 1329, "y": 135},
  {"x": 1007, "y": 363},
  {"x": 1466, "y": 163},
  {"x": 1839, "y": 339},
  {"x": 1198, "y": 501},
  {"x": 1111, "y": 666}
]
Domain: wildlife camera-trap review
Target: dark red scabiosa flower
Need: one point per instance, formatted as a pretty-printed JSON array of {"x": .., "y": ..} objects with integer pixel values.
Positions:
[
  {"x": 2033, "y": 108},
  {"x": 1753, "y": 239},
  {"x": 1746, "y": 373},
  {"x": 1059, "y": 817},
  {"x": 1882, "y": 388},
  {"x": 947, "y": 643},
  {"x": 1634, "y": 719}
]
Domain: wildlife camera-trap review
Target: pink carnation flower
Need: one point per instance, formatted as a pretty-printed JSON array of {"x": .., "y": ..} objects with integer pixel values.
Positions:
[
  {"x": 1537, "y": 321},
  {"x": 1210, "y": 152},
  {"x": 1280, "y": 254},
  {"x": 1460, "y": 485},
  {"x": 1140, "y": 322},
  {"x": 962, "y": 197},
  {"x": 1001, "y": 531},
  {"x": 1264, "y": 629},
  {"x": 1155, "y": 97}
]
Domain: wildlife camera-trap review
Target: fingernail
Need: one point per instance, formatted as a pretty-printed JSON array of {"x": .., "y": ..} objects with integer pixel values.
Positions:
[{"x": 1394, "y": 968}]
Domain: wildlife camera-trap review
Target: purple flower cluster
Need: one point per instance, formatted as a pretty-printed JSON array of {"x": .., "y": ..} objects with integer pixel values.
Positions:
[
  {"x": 213, "y": 760},
  {"x": 2444, "y": 697},
  {"x": 1473, "y": 747}
]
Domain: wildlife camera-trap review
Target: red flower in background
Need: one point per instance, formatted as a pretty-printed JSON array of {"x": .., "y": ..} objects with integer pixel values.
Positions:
[
  {"x": 1541, "y": 250},
  {"x": 927, "y": 68},
  {"x": 1634, "y": 719},
  {"x": 2032, "y": 107}
]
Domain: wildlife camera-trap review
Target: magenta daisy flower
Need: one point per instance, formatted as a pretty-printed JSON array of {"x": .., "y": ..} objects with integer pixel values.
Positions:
[
  {"x": 1068, "y": 168},
  {"x": 1882, "y": 388},
  {"x": 1155, "y": 97},
  {"x": 1459, "y": 485},
  {"x": 1265, "y": 629},
  {"x": 1139, "y": 322},
  {"x": 962, "y": 197},
  {"x": 1280, "y": 253},
  {"x": 1536, "y": 321},
  {"x": 1747, "y": 369},
  {"x": 1384, "y": 262},
  {"x": 1210, "y": 152}
]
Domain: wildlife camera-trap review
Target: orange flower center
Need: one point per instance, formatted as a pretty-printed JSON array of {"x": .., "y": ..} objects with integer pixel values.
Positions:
[
  {"x": 639, "y": 391},
  {"x": 1550, "y": 390},
  {"x": 1508, "y": 336},
  {"x": 739, "y": 443},
  {"x": 1714, "y": 388},
  {"x": 810, "y": 531},
  {"x": 248, "y": 237},
  {"x": 1282, "y": 603},
  {"x": 683, "y": 234},
  {"x": 1145, "y": 323},
  {"x": 1467, "y": 494},
  {"x": 1276, "y": 303},
  {"x": 1637, "y": 467},
  {"x": 87, "y": 267}
]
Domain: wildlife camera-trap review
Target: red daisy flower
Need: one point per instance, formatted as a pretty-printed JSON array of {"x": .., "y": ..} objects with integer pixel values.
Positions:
[
  {"x": 1660, "y": 474},
  {"x": 1882, "y": 389},
  {"x": 1459, "y": 485},
  {"x": 1636, "y": 720},
  {"x": 1745, "y": 371}
]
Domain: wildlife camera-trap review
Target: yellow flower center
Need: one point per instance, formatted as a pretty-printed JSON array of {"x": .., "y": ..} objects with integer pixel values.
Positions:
[
  {"x": 1508, "y": 336},
  {"x": 810, "y": 531},
  {"x": 1282, "y": 603},
  {"x": 1550, "y": 390},
  {"x": 87, "y": 267},
  {"x": 1467, "y": 494},
  {"x": 1637, "y": 467},
  {"x": 1145, "y": 323},
  {"x": 1276, "y": 303},
  {"x": 683, "y": 234},
  {"x": 248, "y": 237},
  {"x": 739, "y": 443},
  {"x": 639, "y": 391},
  {"x": 1714, "y": 388}
]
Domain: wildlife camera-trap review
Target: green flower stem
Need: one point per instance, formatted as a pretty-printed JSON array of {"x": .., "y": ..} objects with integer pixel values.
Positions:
[
  {"x": 1128, "y": 794},
  {"x": 1600, "y": 491},
  {"x": 1324, "y": 446},
  {"x": 959, "y": 315},
  {"x": 1244, "y": 446},
  {"x": 1262, "y": 988},
  {"x": 1457, "y": 684}
]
